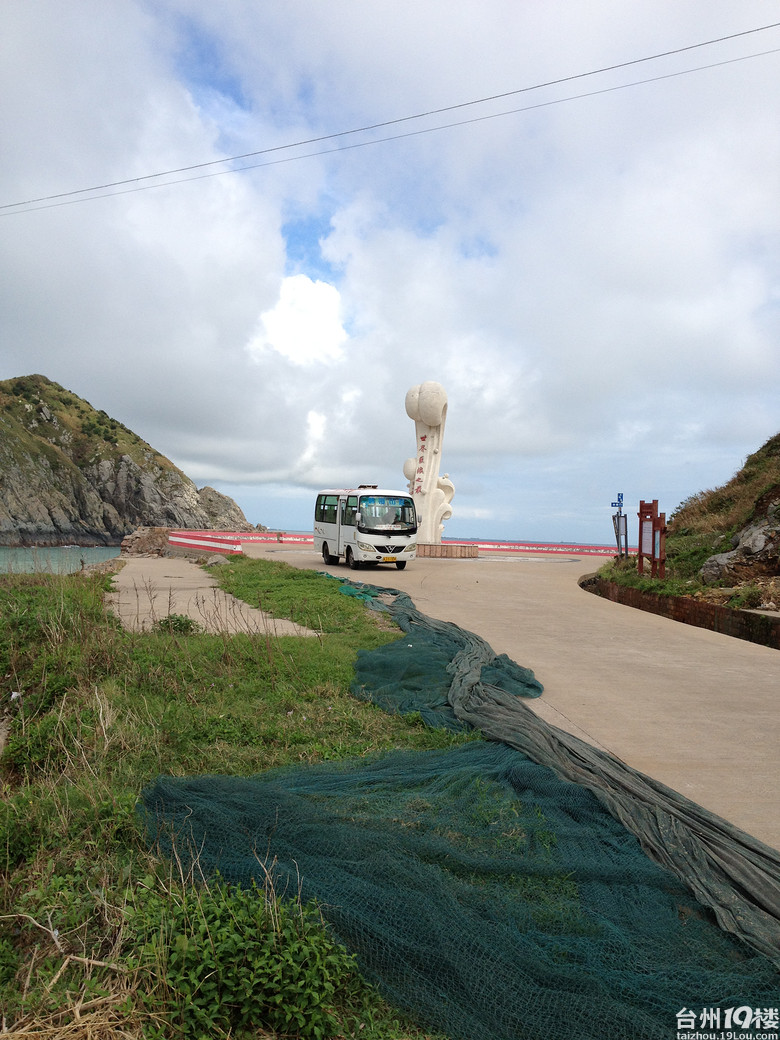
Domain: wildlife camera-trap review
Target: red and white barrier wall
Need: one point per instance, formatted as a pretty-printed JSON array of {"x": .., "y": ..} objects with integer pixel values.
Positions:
[
  {"x": 230, "y": 542},
  {"x": 211, "y": 541}
]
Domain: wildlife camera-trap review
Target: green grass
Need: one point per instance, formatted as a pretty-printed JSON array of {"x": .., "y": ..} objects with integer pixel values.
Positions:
[
  {"x": 681, "y": 579},
  {"x": 307, "y": 597},
  {"x": 103, "y": 712}
]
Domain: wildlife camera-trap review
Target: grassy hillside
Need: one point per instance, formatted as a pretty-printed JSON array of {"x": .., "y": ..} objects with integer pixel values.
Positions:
[
  {"x": 40, "y": 418},
  {"x": 721, "y": 512}
]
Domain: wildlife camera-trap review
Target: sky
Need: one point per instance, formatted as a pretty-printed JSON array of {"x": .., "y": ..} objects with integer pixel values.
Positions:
[{"x": 568, "y": 215}]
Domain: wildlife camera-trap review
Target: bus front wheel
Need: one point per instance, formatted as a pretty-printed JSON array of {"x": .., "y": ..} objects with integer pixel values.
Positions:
[
  {"x": 400, "y": 564},
  {"x": 326, "y": 557},
  {"x": 352, "y": 563}
]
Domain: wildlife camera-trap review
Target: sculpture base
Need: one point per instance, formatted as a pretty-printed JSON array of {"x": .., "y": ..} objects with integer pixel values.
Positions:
[{"x": 447, "y": 551}]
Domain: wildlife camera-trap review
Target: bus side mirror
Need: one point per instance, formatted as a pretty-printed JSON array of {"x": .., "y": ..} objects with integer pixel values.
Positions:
[{"x": 358, "y": 517}]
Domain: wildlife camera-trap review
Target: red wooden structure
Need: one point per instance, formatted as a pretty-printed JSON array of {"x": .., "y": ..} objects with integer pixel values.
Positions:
[{"x": 652, "y": 539}]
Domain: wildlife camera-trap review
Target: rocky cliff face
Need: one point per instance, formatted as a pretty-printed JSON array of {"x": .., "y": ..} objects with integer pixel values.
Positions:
[
  {"x": 71, "y": 474},
  {"x": 756, "y": 551}
]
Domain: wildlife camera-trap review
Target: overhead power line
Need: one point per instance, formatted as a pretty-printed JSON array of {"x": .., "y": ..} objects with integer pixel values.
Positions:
[{"x": 137, "y": 183}]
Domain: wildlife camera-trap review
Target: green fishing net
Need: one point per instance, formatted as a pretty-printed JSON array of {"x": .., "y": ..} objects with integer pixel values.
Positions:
[{"x": 526, "y": 886}]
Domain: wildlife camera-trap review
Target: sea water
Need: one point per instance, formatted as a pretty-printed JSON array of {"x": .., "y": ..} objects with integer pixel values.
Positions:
[{"x": 60, "y": 559}]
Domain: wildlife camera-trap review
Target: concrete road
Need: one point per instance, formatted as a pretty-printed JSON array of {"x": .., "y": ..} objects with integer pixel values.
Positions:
[{"x": 694, "y": 709}]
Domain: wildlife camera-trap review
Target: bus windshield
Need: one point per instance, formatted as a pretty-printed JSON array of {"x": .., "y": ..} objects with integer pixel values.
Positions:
[{"x": 387, "y": 513}]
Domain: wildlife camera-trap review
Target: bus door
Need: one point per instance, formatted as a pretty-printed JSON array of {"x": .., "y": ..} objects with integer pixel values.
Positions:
[{"x": 347, "y": 511}]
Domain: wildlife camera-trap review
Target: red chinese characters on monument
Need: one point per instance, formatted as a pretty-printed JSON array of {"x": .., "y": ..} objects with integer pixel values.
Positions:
[{"x": 420, "y": 460}]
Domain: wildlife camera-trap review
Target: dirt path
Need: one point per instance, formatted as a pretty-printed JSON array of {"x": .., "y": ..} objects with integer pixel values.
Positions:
[{"x": 147, "y": 589}]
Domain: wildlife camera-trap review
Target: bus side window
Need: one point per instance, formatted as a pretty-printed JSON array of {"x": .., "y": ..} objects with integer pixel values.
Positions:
[
  {"x": 350, "y": 510},
  {"x": 326, "y": 510}
]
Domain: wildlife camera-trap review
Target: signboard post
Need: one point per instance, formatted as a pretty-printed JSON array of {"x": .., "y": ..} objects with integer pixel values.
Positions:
[{"x": 620, "y": 523}]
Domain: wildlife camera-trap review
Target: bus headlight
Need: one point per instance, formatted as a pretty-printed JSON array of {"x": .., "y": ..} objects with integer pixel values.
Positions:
[
  {"x": 366, "y": 547},
  {"x": 410, "y": 547}
]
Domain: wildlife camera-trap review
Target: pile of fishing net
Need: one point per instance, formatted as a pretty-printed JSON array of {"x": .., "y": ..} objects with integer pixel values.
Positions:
[{"x": 525, "y": 886}]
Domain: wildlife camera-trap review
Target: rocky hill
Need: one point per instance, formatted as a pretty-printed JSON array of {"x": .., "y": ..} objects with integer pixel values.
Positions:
[
  {"x": 70, "y": 474},
  {"x": 735, "y": 528}
]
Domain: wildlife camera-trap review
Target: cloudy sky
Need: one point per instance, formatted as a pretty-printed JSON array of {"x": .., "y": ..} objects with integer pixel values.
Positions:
[{"x": 567, "y": 214}]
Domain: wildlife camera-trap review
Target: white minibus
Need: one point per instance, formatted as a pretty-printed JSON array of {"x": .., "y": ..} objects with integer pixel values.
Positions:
[{"x": 365, "y": 525}]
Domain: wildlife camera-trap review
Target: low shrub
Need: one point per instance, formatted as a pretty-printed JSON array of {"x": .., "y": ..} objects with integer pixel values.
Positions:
[
  {"x": 178, "y": 625},
  {"x": 226, "y": 958},
  {"x": 749, "y": 597}
]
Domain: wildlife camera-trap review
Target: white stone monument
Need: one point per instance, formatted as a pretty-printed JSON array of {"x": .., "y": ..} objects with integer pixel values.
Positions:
[{"x": 426, "y": 404}]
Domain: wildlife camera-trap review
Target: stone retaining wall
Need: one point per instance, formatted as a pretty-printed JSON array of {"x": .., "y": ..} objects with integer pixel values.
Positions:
[
  {"x": 742, "y": 624},
  {"x": 448, "y": 551}
]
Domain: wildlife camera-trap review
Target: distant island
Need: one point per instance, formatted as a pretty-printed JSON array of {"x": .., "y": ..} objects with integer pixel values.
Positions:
[{"x": 70, "y": 474}]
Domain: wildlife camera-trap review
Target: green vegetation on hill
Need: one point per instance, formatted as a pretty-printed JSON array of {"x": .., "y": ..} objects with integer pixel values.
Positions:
[
  {"x": 720, "y": 512},
  {"x": 72, "y": 474},
  {"x": 38, "y": 416},
  {"x": 92, "y": 925}
]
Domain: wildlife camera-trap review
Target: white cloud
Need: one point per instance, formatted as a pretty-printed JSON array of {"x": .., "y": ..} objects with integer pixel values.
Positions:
[
  {"x": 304, "y": 326},
  {"x": 596, "y": 283}
]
